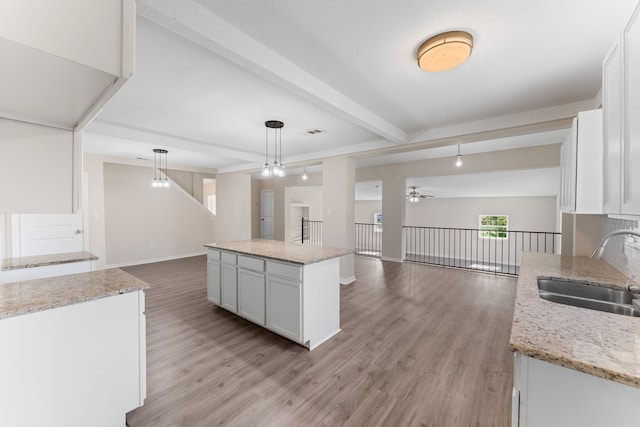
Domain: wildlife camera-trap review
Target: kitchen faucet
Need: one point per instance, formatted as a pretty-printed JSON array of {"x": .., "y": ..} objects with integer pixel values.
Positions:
[{"x": 597, "y": 252}]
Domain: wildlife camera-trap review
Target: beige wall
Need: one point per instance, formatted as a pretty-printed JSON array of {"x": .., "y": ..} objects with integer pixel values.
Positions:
[
  {"x": 185, "y": 223},
  {"x": 394, "y": 176},
  {"x": 233, "y": 199},
  {"x": 364, "y": 210},
  {"x": 310, "y": 196},
  {"x": 278, "y": 185},
  {"x": 143, "y": 224},
  {"x": 525, "y": 213},
  {"x": 37, "y": 168}
]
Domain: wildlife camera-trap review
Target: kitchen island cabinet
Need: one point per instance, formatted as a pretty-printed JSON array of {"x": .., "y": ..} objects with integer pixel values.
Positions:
[{"x": 288, "y": 288}]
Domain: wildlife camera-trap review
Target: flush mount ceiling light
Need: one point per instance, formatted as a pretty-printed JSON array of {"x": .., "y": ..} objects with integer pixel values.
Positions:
[
  {"x": 445, "y": 51},
  {"x": 277, "y": 168},
  {"x": 160, "y": 178}
]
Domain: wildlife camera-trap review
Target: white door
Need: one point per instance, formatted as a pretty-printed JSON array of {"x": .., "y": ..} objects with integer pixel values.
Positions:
[
  {"x": 266, "y": 214},
  {"x": 43, "y": 234}
]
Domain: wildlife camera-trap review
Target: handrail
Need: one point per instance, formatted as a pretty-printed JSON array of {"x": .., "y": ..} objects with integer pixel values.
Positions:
[
  {"x": 311, "y": 232},
  {"x": 467, "y": 248},
  {"x": 368, "y": 239}
]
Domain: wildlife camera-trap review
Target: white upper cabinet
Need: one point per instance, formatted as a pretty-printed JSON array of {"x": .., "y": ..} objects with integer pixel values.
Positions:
[
  {"x": 621, "y": 127},
  {"x": 631, "y": 116},
  {"x": 581, "y": 163},
  {"x": 62, "y": 60},
  {"x": 612, "y": 127}
]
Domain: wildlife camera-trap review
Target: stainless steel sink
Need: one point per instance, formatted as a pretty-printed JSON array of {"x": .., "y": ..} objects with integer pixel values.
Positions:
[{"x": 587, "y": 295}]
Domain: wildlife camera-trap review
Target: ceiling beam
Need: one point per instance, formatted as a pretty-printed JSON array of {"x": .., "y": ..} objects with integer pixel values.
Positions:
[{"x": 199, "y": 25}]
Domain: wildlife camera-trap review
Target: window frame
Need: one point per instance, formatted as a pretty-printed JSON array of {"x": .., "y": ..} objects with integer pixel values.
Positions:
[{"x": 501, "y": 232}]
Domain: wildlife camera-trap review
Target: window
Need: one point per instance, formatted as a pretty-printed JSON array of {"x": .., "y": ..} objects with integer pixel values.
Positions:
[
  {"x": 493, "y": 226},
  {"x": 211, "y": 203}
]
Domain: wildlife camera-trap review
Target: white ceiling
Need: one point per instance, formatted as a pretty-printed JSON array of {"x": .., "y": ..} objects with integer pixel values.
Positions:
[{"x": 210, "y": 73}]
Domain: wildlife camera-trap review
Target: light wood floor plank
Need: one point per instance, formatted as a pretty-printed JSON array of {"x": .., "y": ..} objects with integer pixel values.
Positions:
[{"x": 420, "y": 346}]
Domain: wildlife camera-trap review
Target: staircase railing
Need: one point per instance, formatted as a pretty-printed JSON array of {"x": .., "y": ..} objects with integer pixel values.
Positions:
[
  {"x": 368, "y": 239},
  {"x": 311, "y": 232}
]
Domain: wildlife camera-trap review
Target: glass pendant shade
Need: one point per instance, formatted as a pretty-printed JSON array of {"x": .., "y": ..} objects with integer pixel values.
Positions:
[
  {"x": 276, "y": 169},
  {"x": 160, "y": 177}
]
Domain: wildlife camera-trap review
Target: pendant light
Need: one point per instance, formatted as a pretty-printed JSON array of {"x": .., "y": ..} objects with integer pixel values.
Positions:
[
  {"x": 266, "y": 169},
  {"x": 304, "y": 174},
  {"x": 277, "y": 169},
  {"x": 160, "y": 178},
  {"x": 458, "y": 158}
]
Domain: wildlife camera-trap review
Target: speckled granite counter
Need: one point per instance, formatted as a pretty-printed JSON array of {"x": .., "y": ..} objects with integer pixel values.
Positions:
[
  {"x": 49, "y": 259},
  {"x": 296, "y": 253},
  {"x": 43, "y": 294},
  {"x": 602, "y": 344}
]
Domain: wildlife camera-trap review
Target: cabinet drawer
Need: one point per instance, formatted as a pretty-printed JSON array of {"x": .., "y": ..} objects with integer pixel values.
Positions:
[
  {"x": 228, "y": 257},
  {"x": 213, "y": 255},
  {"x": 250, "y": 263},
  {"x": 290, "y": 271}
]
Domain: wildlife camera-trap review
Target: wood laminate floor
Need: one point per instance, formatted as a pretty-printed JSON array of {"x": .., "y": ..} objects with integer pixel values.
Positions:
[{"x": 420, "y": 346}]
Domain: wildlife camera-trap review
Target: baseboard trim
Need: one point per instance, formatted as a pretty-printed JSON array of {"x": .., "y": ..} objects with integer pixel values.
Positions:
[
  {"x": 384, "y": 258},
  {"x": 347, "y": 280},
  {"x": 152, "y": 260}
]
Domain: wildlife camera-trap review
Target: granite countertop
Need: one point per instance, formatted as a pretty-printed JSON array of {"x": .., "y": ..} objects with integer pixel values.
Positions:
[
  {"x": 30, "y": 296},
  {"x": 602, "y": 344},
  {"x": 296, "y": 253},
  {"x": 49, "y": 259}
]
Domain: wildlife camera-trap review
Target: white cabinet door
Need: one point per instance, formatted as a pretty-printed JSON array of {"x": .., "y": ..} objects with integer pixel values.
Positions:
[
  {"x": 229, "y": 287},
  {"x": 581, "y": 163},
  {"x": 251, "y": 304},
  {"x": 284, "y": 307},
  {"x": 554, "y": 396},
  {"x": 612, "y": 127},
  {"x": 631, "y": 117},
  {"x": 568, "y": 171},
  {"x": 213, "y": 281}
]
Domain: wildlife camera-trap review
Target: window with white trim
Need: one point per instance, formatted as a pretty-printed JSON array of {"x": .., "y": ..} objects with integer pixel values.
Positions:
[{"x": 493, "y": 226}]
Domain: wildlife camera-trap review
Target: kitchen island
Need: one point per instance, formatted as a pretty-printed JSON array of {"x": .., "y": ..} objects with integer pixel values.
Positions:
[
  {"x": 573, "y": 366},
  {"x": 73, "y": 349},
  {"x": 289, "y": 288}
]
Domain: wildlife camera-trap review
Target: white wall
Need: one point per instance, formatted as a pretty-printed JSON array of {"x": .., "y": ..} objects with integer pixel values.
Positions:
[
  {"x": 30, "y": 23},
  {"x": 37, "y": 168},
  {"x": 364, "y": 210}
]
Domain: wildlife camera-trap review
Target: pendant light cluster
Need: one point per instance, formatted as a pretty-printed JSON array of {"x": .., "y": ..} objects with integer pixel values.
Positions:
[
  {"x": 276, "y": 169},
  {"x": 160, "y": 179}
]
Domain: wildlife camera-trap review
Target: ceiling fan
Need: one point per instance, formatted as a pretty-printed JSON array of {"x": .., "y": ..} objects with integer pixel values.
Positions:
[{"x": 415, "y": 197}]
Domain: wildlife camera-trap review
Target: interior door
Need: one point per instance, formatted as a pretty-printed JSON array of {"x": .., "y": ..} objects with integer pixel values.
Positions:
[
  {"x": 43, "y": 234},
  {"x": 266, "y": 214}
]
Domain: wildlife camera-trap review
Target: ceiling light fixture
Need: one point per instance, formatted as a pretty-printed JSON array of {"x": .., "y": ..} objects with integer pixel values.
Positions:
[
  {"x": 459, "y": 157},
  {"x": 304, "y": 174},
  {"x": 160, "y": 178},
  {"x": 277, "y": 168},
  {"x": 445, "y": 51}
]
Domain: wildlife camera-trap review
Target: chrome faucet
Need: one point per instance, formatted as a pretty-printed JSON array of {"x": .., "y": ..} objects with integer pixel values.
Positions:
[{"x": 597, "y": 252}]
